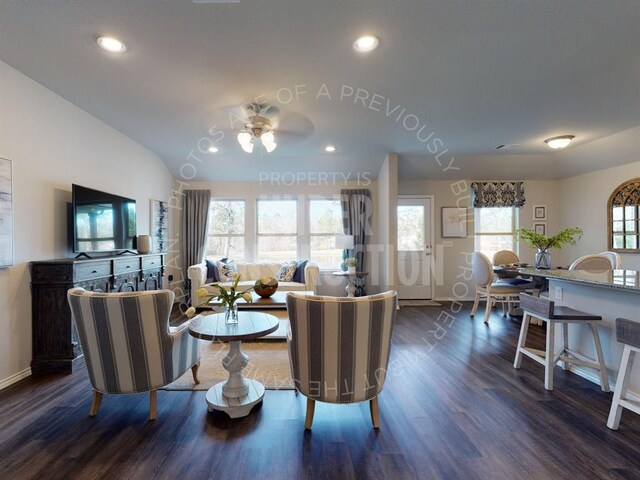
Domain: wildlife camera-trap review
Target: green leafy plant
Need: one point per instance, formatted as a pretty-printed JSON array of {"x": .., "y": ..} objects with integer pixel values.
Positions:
[
  {"x": 226, "y": 297},
  {"x": 567, "y": 236},
  {"x": 351, "y": 262}
]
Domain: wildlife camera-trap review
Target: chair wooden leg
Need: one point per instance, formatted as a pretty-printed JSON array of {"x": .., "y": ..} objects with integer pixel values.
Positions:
[
  {"x": 311, "y": 408},
  {"x": 626, "y": 366},
  {"x": 604, "y": 377},
  {"x": 487, "y": 312},
  {"x": 375, "y": 414},
  {"x": 95, "y": 404},
  {"x": 565, "y": 341},
  {"x": 194, "y": 372},
  {"x": 475, "y": 304},
  {"x": 522, "y": 340},
  {"x": 549, "y": 356},
  {"x": 153, "y": 404}
]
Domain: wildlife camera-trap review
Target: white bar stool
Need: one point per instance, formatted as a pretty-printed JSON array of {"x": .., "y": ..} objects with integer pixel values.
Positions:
[
  {"x": 627, "y": 332},
  {"x": 545, "y": 310}
]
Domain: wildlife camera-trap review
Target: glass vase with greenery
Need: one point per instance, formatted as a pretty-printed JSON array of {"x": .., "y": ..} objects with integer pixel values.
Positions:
[
  {"x": 566, "y": 236},
  {"x": 228, "y": 298}
]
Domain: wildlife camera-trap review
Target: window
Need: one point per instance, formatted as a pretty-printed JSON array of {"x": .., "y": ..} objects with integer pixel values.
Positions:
[
  {"x": 226, "y": 230},
  {"x": 495, "y": 229},
  {"x": 277, "y": 230},
  {"x": 624, "y": 217},
  {"x": 325, "y": 222}
]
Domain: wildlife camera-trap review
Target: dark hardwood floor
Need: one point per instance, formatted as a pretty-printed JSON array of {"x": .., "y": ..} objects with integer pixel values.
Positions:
[{"x": 453, "y": 407}]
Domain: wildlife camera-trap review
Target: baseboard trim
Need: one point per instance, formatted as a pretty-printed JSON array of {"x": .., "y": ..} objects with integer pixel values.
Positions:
[
  {"x": 454, "y": 299},
  {"x": 16, "y": 377},
  {"x": 592, "y": 376}
]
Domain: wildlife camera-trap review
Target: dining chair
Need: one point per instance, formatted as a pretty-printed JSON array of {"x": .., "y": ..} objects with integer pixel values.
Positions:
[
  {"x": 128, "y": 344},
  {"x": 614, "y": 258},
  {"x": 486, "y": 288},
  {"x": 594, "y": 263},
  {"x": 627, "y": 333},
  {"x": 339, "y": 348},
  {"x": 505, "y": 257}
]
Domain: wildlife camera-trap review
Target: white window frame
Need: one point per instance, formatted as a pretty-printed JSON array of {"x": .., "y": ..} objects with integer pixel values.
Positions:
[
  {"x": 515, "y": 218},
  {"x": 243, "y": 235},
  {"x": 332, "y": 198},
  {"x": 276, "y": 198}
]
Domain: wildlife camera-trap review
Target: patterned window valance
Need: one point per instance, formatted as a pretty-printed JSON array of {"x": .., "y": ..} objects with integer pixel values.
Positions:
[{"x": 497, "y": 194}]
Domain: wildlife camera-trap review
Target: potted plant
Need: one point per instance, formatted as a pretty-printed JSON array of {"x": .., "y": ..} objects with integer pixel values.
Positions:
[
  {"x": 567, "y": 236},
  {"x": 228, "y": 298},
  {"x": 351, "y": 264}
]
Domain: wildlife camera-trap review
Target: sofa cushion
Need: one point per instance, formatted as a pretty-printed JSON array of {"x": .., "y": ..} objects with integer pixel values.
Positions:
[
  {"x": 225, "y": 269},
  {"x": 299, "y": 275},
  {"x": 212, "y": 271},
  {"x": 287, "y": 270}
]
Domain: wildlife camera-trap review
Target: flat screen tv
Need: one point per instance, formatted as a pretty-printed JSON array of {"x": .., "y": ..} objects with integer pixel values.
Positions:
[{"x": 102, "y": 222}]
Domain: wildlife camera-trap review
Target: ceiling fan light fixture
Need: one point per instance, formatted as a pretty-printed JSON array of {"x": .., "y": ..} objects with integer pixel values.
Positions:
[
  {"x": 366, "y": 43},
  {"x": 562, "y": 141},
  {"x": 329, "y": 149},
  {"x": 270, "y": 147},
  {"x": 111, "y": 44},
  {"x": 247, "y": 146}
]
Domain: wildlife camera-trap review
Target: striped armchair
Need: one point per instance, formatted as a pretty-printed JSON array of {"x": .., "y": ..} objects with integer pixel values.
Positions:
[
  {"x": 339, "y": 348},
  {"x": 128, "y": 344}
]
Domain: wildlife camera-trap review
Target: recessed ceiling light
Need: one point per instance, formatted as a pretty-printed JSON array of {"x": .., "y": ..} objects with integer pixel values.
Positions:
[
  {"x": 366, "y": 43},
  {"x": 330, "y": 148},
  {"x": 559, "y": 142},
  {"x": 111, "y": 44},
  {"x": 212, "y": 149}
]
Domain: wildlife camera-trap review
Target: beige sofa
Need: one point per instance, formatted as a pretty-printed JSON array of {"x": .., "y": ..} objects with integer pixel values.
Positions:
[{"x": 249, "y": 273}]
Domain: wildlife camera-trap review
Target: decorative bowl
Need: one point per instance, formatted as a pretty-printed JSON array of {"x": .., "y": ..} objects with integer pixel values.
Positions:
[{"x": 266, "y": 286}]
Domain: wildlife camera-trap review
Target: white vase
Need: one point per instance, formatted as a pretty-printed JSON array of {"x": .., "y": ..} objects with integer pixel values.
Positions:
[
  {"x": 351, "y": 270},
  {"x": 144, "y": 244}
]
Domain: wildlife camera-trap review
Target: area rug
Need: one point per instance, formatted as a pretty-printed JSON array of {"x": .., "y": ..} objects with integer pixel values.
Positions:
[
  {"x": 418, "y": 303},
  {"x": 268, "y": 364}
]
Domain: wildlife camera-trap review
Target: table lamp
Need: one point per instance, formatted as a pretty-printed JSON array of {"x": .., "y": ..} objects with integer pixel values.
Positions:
[{"x": 345, "y": 242}]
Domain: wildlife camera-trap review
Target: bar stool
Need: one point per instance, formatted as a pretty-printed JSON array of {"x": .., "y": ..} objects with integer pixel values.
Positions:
[
  {"x": 628, "y": 332},
  {"x": 545, "y": 310}
]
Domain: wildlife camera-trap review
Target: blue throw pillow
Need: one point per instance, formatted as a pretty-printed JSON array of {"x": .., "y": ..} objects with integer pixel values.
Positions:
[
  {"x": 212, "y": 271},
  {"x": 299, "y": 275}
]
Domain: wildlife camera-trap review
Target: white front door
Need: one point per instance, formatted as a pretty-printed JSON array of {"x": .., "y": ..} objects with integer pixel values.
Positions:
[{"x": 414, "y": 248}]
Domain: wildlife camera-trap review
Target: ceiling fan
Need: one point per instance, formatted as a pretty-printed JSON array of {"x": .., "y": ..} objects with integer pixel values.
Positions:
[{"x": 265, "y": 122}]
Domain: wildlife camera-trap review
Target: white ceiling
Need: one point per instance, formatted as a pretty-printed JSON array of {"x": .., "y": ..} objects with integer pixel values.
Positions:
[{"x": 476, "y": 73}]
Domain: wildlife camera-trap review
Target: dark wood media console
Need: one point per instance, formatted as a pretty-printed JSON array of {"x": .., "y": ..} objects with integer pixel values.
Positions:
[{"x": 54, "y": 337}]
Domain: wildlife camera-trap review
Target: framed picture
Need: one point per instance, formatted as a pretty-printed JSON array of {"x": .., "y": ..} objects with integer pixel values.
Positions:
[
  {"x": 6, "y": 214},
  {"x": 539, "y": 212},
  {"x": 540, "y": 228},
  {"x": 158, "y": 211},
  {"x": 454, "y": 222}
]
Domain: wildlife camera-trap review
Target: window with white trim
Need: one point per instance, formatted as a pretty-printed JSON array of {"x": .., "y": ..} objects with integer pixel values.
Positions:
[
  {"x": 226, "y": 233},
  {"x": 277, "y": 230},
  {"x": 495, "y": 229},
  {"x": 325, "y": 222}
]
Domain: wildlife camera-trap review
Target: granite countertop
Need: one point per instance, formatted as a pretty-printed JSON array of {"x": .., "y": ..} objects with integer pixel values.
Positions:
[{"x": 618, "y": 279}]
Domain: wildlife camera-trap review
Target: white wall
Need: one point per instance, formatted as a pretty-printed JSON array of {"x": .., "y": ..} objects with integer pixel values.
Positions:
[
  {"x": 387, "y": 224},
  {"x": 584, "y": 203},
  {"x": 52, "y": 144}
]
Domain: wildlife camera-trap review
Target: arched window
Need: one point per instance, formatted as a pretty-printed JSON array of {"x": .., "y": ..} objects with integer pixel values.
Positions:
[{"x": 624, "y": 214}]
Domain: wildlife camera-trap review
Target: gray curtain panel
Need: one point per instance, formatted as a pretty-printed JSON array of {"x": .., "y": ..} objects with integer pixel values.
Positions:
[
  {"x": 497, "y": 194},
  {"x": 195, "y": 212},
  {"x": 357, "y": 209}
]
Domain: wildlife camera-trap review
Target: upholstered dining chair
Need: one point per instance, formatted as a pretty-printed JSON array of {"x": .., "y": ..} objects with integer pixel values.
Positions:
[
  {"x": 614, "y": 259},
  {"x": 505, "y": 257},
  {"x": 339, "y": 348},
  {"x": 595, "y": 263},
  {"x": 128, "y": 344},
  {"x": 486, "y": 288}
]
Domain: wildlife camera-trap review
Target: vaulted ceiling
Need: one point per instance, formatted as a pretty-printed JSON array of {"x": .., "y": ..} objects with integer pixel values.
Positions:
[{"x": 450, "y": 77}]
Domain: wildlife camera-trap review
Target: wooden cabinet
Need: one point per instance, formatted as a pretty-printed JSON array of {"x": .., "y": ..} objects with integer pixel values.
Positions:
[{"x": 55, "y": 341}]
